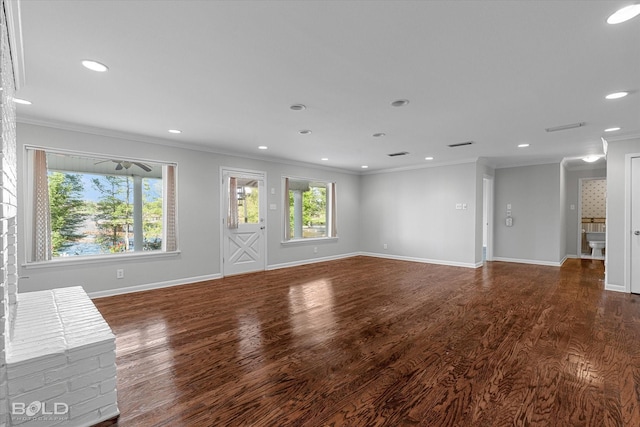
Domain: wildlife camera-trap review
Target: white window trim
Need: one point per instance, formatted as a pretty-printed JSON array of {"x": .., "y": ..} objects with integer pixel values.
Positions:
[
  {"x": 285, "y": 221},
  {"x": 27, "y": 192}
]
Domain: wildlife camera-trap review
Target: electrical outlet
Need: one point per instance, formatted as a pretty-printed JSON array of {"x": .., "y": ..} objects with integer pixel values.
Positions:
[
  {"x": 384, "y": 246},
  {"x": 315, "y": 249},
  {"x": 120, "y": 273}
]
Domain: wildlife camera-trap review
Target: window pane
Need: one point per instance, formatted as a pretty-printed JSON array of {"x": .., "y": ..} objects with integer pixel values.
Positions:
[
  {"x": 308, "y": 209},
  {"x": 93, "y": 203},
  {"x": 248, "y": 209}
]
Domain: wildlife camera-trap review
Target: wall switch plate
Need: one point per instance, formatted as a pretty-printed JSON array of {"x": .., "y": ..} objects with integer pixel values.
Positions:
[
  {"x": 458, "y": 205},
  {"x": 273, "y": 190},
  {"x": 508, "y": 206}
]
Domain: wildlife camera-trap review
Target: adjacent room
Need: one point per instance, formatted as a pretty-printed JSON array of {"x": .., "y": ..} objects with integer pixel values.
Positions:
[{"x": 320, "y": 213}]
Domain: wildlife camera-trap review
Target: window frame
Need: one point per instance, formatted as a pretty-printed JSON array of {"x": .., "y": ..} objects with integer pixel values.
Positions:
[
  {"x": 28, "y": 214},
  {"x": 330, "y": 212}
]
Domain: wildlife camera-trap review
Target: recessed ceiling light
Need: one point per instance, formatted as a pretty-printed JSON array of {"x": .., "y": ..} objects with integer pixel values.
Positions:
[
  {"x": 305, "y": 132},
  {"x": 175, "y": 131},
  {"x": 364, "y": 166},
  {"x": 324, "y": 159},
  {"x": 617, "y": 95},
  {"x": 400, "y": 103},
  {"x": 95, "y": 66},
  {"x": 298, "y": 107},
  {"x": 262, "y": 147},
  {"x": 21, "y": 101},
  {"x": 379, "y": 135},
  {"x": 523, "y": 145},
  {"x": 624, "y": 14},
  {"x": 612, "y": 129},
  {"x": 428, "y": 158},
  {"x": 590, "y": 159}
]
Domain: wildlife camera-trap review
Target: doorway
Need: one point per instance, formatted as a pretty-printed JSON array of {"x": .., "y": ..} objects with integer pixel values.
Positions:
[
  {"x": 592, "y": 217},
  {"x": 487, "y": 218},
  {"x": 243, "y": 221}
]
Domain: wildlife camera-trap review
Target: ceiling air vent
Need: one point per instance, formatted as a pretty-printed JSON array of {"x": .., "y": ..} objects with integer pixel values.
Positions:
[
  {"x": 461, "y": 144},
  {"x": 401, "y": 153}
]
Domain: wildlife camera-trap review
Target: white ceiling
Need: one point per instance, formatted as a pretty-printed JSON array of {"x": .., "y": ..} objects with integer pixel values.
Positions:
[{"x": 225, "y": 73}]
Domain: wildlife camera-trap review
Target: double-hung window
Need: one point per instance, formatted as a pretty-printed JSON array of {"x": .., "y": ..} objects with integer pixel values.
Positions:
[{"x": 84, "y": 205}]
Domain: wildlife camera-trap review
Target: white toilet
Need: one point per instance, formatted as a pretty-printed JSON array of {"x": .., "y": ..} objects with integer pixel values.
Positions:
[{"x": 596, "y": 243}]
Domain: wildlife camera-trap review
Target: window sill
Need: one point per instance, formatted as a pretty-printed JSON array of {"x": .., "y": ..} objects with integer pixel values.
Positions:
[
  {"x": 294, "y": 242},
  {"x": 99, "y": 259}
]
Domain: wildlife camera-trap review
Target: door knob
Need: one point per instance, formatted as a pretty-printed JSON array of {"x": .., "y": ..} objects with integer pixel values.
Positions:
[{"x": 637, "y": 232}]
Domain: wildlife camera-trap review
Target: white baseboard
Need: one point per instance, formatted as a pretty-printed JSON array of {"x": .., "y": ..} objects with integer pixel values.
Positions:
[
  {"x": 422, "y": 260},
  {"x": 615, "y": 288},
  {"x": 311, "y": 261},
  {"x": 531, "y": 261},
  {"x": 150, "y": 286}
]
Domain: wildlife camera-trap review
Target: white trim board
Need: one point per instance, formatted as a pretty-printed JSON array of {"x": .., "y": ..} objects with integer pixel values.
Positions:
[
  {"x": 423, "y": 260},
  {"x": 151, "y": 286},
  {"x": 311, "y": 261},
  {"x": 615, "y": 288},
  {"x": 532, "y": 261}
]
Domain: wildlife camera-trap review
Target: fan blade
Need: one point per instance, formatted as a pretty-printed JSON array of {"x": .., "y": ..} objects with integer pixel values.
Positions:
[
  {"x": 119, "y": 167},
  {"x": 142, "y": 166},
  {"x": 103, "y": 161}
]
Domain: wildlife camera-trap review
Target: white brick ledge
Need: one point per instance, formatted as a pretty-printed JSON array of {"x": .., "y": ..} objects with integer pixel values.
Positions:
[{"x": 61, "y": 352}]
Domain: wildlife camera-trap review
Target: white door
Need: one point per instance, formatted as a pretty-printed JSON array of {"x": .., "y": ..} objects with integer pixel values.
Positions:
[
  {"x": 243, "y": 224},
  {"x": 635, "y": 225}
]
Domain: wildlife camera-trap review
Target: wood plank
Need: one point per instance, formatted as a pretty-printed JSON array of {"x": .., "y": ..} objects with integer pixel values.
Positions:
[{"x": 366, "y": 341}]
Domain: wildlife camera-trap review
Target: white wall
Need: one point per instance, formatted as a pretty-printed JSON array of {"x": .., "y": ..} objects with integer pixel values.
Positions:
[
  {"x": 534, "y": 195},
  {"x": 414, "y": 213},
  {"x": 198, "y": 214},
  {"x": 572, "y": 220},
  {"x": 617, "y": 211}
]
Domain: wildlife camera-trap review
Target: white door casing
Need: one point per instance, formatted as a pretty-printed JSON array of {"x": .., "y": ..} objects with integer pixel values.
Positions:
[
  {"x": 243, "y": 247},
  {"x": 635, "y": 225}
]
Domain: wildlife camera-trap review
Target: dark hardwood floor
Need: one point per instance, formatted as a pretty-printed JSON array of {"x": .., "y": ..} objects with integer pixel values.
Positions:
[{"x": 373, "y": 342}]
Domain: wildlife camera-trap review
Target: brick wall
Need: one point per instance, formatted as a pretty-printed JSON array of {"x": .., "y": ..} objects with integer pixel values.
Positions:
[
  {"x": 62, "y": 359},
  {"x": 8, "y": 232}
]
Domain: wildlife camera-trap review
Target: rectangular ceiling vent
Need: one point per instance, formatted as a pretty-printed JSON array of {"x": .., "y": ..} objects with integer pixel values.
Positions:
[
  {"x": 461, "y": 144},
  {"x": 401, "y": 153}
]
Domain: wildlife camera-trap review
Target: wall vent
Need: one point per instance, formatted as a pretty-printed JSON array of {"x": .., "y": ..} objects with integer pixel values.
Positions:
[
  {"x": 401, "y": 153},
  {"x": 461, "y": 144}
]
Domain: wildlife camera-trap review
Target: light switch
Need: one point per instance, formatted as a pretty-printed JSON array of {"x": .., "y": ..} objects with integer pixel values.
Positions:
[
  {"x": 458, "y": 205},
  {"x": 572, "y": 207},
  {"x": 273, "y": 190},
  {"x": 508, "y": 206},
  {"x": 464, "y": 206}
]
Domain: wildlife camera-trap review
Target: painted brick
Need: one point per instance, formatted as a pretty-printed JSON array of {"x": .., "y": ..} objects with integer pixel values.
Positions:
[
  {"x": 68, "y": 371},
  {"x": 15, "y": 370},
  {"x": 41, "y": 394},
  {"x": 108, "y": 385},
  {"x": 107, "y": 359},
  {"x": 91, "y": 405},
  {"x": 92, "y": 378},
  {"x": 26, "y": 383},
  {"x": 75, "y": 355},
  {"x": 82, "y": 394}
]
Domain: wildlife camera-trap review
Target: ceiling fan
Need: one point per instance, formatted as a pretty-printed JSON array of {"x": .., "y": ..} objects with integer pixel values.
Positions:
[{"x": 126, "y": 164}]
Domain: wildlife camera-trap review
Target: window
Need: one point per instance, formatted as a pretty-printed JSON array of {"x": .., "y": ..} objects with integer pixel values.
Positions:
[
  {"x": 85, "y": 205},
  {"x": 310, "y": 209}
]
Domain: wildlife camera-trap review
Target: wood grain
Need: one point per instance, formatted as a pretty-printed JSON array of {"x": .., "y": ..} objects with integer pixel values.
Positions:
[{"x": 374, "y": 342}]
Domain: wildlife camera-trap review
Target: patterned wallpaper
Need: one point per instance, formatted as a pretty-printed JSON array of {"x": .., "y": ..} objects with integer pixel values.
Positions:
[{"x": 594, "y": 196}]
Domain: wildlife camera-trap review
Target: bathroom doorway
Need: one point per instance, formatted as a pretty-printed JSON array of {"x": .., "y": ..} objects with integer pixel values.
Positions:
[
  {"x": 487, "y": 218},
  {"x": 592, "y": 218}
]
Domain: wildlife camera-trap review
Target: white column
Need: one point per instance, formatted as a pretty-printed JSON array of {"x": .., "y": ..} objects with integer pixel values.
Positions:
[
  {"x": 297, "y": 214},
  {"x": 137, "y": 214}
]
